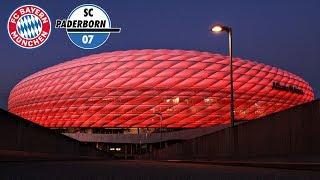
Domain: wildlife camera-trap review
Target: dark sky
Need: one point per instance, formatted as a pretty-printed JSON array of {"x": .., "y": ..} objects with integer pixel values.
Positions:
[{"x": 284, "y": 34}]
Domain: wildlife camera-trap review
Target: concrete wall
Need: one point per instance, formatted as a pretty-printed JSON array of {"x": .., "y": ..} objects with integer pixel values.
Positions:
[
  {"x": 17, "y": 134},
  {"x": 290, "y": 134}
]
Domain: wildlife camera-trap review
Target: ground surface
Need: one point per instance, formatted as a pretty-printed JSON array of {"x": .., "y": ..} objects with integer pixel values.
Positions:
[{"x": 98, "y": 169}]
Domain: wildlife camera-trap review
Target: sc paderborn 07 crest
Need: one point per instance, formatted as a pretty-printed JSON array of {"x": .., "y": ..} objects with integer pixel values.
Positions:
[
  {"x": 29, "y": 26},
  {"x": 88, "y": 26}
]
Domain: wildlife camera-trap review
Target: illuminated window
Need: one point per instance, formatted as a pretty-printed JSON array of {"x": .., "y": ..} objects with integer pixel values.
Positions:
[
  {"x": 208, "y": 100},
  {"x": 175, "y": 100}
]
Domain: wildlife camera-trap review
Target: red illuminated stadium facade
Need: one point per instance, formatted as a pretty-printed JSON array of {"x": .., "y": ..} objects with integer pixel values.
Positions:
[{"x": 125, "y": 89}]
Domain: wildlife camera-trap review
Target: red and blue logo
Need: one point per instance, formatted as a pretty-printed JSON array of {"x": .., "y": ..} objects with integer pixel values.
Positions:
[{"x": 29, "y": 26}]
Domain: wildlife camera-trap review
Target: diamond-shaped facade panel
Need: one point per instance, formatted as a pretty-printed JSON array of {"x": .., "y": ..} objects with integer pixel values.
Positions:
[{"x": 126, "y": 89}]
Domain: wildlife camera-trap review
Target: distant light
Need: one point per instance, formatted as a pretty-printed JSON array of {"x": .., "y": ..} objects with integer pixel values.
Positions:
[{"x": 217, "y": 28}]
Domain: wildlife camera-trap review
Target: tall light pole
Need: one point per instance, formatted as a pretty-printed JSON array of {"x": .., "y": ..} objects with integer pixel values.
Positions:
[
  {"x": 160, "y": 115},
  {"x": 217, "y": 29}
]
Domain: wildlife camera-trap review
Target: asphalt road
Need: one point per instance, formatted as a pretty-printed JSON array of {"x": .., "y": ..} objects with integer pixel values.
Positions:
[{"x": 140, "y": 170}]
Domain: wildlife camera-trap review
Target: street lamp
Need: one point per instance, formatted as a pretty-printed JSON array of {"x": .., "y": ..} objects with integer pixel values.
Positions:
[
  {"x": 218, "y": 29},
  {"x": 160, "y": 114}
]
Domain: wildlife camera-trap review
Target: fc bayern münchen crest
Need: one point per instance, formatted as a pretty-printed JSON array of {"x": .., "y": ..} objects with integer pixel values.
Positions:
[{"x": 29, "y": 26}]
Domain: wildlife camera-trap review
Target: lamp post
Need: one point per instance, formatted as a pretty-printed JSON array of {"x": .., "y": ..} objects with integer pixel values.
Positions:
[
  {"x": 160, "y": 115},
  {"x": 217, "y": 29}
]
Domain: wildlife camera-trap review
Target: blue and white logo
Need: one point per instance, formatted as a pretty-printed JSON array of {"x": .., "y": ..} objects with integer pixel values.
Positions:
[
  {"x": 88, "y": 26},
  {"x": 29, "y": 26}
]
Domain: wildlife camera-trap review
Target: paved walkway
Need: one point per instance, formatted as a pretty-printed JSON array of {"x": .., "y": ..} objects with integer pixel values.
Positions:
[{"x": 141, "y": 170}]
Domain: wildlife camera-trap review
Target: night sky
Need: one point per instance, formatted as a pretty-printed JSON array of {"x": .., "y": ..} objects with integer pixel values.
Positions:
[{"x": 284, "y": 34}]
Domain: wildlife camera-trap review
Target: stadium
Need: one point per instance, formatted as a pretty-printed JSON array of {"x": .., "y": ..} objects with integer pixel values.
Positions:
[{"x": 125, "y": 91}]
